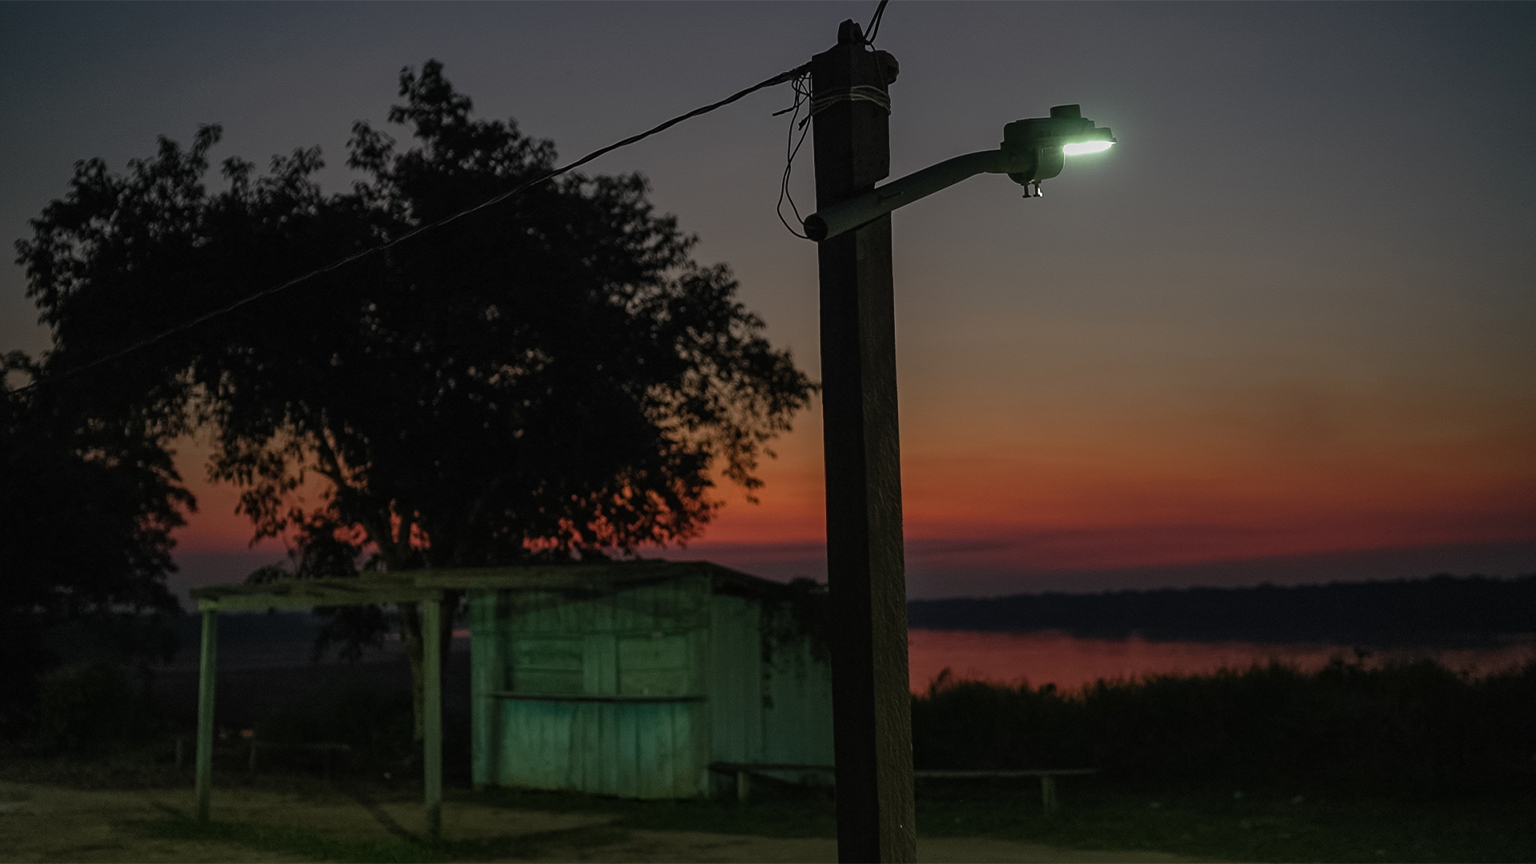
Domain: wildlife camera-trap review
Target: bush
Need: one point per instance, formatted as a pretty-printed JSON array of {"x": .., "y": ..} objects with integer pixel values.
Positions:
[
  {"x": 377, "y": 726},
  {"x": 1412, "y": 726},
  {"x": 91, "y": 709}
]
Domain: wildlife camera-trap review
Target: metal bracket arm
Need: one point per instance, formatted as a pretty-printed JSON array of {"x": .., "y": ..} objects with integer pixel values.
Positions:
[{"x": 850, "y": 214}]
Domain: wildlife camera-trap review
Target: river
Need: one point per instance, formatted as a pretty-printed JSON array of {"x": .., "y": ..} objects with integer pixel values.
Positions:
[{"x": 1070, "y": 662}]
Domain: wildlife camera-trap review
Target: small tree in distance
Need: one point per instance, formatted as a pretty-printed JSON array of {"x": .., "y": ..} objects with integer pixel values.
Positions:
[{"x": 550, "y": 378}]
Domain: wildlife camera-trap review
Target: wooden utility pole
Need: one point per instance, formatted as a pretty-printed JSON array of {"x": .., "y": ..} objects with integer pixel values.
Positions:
[{"x": 871, "y": 700}]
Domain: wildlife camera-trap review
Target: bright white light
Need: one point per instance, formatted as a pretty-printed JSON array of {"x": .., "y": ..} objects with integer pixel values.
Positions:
[{"x": 1085, "y": 147}]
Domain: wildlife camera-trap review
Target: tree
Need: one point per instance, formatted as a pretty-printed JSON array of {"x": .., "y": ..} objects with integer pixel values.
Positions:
[
  {"x": 553, "y": 377},
  {"x": 85, "y": 534}
]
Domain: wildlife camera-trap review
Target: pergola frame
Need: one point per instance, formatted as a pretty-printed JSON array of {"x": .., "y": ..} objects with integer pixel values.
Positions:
[{"x": 426, "y": 587}]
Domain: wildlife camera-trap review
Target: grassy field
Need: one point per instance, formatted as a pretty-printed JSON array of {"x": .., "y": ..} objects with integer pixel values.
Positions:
[
  {"x": 1238, "y": 826},
  {"x": 1097, "y": 814},
  {"x": 1401, "y": 763},
  {"x": 313, "y": 845}
]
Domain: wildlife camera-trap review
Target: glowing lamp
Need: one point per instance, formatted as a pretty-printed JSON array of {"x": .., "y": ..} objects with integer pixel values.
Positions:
[
  {"x": 1078, "y": 148},
  {"x": 1032, "y": 150}
]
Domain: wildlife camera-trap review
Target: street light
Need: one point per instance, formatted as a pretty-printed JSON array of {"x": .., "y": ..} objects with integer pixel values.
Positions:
[
  {"x": 1032, "y": 150},
  {"x": 866, "y": 567}
]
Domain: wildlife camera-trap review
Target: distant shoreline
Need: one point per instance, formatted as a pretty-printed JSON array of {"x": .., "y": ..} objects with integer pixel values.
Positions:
[{"x": 1440, "y": 610}]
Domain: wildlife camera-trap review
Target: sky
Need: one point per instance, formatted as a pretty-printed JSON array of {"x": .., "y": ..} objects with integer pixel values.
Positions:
[{"x": 1281, "y": 332}]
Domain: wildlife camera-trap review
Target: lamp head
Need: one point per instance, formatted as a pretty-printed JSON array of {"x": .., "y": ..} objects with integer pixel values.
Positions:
[{"x": 1038, "y": 146}]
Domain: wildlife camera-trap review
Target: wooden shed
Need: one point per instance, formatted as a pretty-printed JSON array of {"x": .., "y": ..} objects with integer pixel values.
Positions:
[{"x": 635, "y": 680}]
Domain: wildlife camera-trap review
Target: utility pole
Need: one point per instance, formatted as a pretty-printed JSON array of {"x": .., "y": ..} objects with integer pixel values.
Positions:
[{"x": 866, "y": 575}]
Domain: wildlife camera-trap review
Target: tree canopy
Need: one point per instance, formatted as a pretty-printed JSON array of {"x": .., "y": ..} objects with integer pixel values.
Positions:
[{"x": 552, "y": 376}]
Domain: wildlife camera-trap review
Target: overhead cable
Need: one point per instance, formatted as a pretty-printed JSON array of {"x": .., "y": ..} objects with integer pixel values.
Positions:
[
  {"x": 874, "y": 23},
  {"x": 791, "y": 75}
]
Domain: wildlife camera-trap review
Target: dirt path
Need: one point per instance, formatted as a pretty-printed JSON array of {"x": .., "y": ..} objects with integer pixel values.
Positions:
[{"x": 49, "y": 823}]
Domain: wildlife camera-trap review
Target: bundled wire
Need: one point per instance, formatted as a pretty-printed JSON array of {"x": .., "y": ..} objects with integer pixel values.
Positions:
[
  {"x": 802, "y": 88},
  {"x": 874, "y": 23}
]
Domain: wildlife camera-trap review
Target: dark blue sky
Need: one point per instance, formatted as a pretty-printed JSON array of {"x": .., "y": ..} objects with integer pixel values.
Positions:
[{"x": 1289, "y": 315}]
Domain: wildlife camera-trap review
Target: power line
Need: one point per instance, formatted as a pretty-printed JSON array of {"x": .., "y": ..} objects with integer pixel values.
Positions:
[
  {"x": 874, "y": 23},
  {"x": 791, "y": 75}
]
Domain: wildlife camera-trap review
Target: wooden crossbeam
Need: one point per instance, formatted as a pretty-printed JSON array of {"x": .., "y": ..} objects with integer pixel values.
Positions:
[
  {"x": 560, "y": 577},
  {"x": 309, "y": 593},
  {"x": 421, "y": 586}
]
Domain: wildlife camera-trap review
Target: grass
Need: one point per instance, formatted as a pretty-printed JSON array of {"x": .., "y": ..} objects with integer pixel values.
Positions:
[
  {"x": 796, "y": 813},
  {"x": 1402, "y": 763},
  {"x": 1300, "y": 824},
  {"x": 1233, "y": 825},
  {"x": 309, "y": 844},
  {"x": 1102, "y": 814}
]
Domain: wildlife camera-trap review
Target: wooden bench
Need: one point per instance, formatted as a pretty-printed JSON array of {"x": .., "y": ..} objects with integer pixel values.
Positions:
[
  {"x": 1047, "y": 777},
  {"x": 1048, "y": 798},
  {"x": 745, "y": 770},
  {"x": 326, "y": 749}
]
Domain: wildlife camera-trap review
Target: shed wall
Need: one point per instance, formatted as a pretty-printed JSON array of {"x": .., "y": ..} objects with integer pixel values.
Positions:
[
  {"x": 771, "y": 693},
  {"x": 602, "y": 692},
  {"x": 634, "y": 693},
  {"x": 736, "y": 680}
]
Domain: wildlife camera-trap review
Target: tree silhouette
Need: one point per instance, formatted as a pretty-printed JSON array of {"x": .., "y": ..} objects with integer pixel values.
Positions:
[
  {"x": 85, "y": 522},
  {"x": 553, "y": 377}
]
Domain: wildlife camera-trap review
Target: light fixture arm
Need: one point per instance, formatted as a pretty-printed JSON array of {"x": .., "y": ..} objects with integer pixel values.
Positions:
[
  {"x": 877, "y": 202},
  {"x": 1032, "y": 150}
]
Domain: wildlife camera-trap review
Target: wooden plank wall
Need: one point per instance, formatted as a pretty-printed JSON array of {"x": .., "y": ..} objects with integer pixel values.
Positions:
[
  {"x": 735, "y": 680},
  {"x": 774, "y": 709},
  {"x": 673, "y": 639},
  {"x": 797, "y": 708},
  {"x": 631, "y": 750},
  {"x": 647, "y": 642}
]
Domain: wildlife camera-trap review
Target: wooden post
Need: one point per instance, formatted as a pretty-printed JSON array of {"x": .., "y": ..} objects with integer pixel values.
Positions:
[
  {"x": 743, "y": 786},
  {"x": 872, "y": 735},
  {"x": 205, "y": 682},
  {"x": 1048, "y": 795},
  {"x": 487, "y": 676},
  {"x": 432, "y": 708}
]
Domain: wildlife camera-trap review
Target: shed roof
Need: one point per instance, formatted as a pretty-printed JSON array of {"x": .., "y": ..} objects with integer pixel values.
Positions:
[{"x": 429, "y": 584}]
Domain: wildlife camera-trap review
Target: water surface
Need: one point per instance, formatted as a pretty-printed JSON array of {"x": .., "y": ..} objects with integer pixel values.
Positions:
[{"x": 1069, "y": 662}]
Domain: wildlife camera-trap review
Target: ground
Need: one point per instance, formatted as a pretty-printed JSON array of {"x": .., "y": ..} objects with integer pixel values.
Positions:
[
  {"x": 138, "y": 806},
  {"x": 318, "y": 822}
]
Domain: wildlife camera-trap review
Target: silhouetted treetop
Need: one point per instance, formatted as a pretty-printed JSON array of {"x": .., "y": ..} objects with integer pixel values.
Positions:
[{"x": 551, "y": 375}]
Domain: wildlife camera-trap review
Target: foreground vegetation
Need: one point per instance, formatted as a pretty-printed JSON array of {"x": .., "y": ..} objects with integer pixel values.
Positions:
[
  {"x": 1096, "y": 813},
  {"x": 1347, "y": 729},
  {"x": 1403, "y": 763}
]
